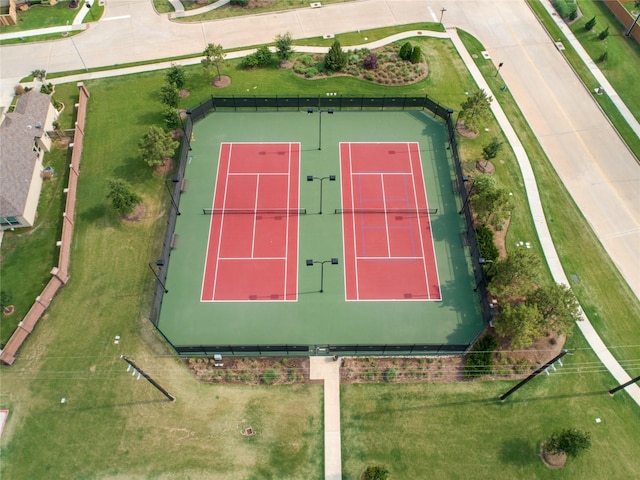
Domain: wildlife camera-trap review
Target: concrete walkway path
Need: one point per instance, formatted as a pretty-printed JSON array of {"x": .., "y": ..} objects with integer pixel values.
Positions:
[{"x": 328, "y": 370}]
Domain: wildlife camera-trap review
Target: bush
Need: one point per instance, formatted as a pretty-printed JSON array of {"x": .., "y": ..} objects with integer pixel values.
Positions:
[
  {"x": 563, "y": 8},
  {"x": 264, "y": 56},
  {"x": 169, "y": 95},
  {"x": 239, "y": 3},
  {"x": 604, "y": 34},
  {"x": 172, "y": 118},
  {"x": 486, "y": 245},
  {"x": 371, "y": 61},
  {"x": 123, "y": 198},
  {"x": 269, "y": 377},
  {"x": 46, "y": 88},
  {"x": 416, "y": 54},
  {"x": 570, "y": 441},
  {"x": 335, "y": 59},
  {"x": 405, "y": 51},
  {"x": 390, "y": 374},
  {"x": 175, "y": 76},
  {"x": 375, "y": 472},
  {"x": 574, "y": 14},
  {"x": 590, "y": 24},
  {"x": 5, "y": 299},
  {"x": 250, "y": 61},
  {"x": 480, "y": 360}
]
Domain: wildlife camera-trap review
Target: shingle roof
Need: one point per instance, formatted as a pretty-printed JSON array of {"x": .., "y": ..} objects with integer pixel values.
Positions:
[{"x": 17, "y": 157}]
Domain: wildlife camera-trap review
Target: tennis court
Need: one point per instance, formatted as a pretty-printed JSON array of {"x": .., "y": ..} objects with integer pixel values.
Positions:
[
  {"x": 288, "y": 248},
  {"x": 253, "y": 239},
  {"x": 388, "y": 248}
]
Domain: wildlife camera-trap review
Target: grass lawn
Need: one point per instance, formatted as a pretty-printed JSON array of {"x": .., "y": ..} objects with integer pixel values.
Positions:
[
  {"x": 620, "y": 69},
  {"x": 43, "y": 16},
  {"x": 115, "y": 427},
  {"x": 462, "y": 430}
]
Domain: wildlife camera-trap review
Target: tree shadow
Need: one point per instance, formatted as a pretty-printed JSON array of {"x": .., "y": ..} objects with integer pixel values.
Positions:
[{"x": 518, "y": 451}]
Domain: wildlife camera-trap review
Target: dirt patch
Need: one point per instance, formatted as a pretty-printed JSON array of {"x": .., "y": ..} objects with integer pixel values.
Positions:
[
  {"x": 286, "y": 64},
  {"x": 553, "y": 460},
  {"x": 184, "y": 93},
  {"x": 167, "y": 166},
  {"x": 250, "y": 370},
  {"x": 136, "y": 215},
  {"x": 221, "y": 81},
  {"x": 177, "y": 134},
  {"x": 465, "y": 132}
]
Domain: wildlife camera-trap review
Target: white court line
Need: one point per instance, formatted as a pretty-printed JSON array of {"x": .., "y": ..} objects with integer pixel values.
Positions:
[
  {"x": 252, "y": 258},
  {"x": 353, "y": 222},
  {"x": 286, "y": 236},
  {"x": 224, "y": 204},
  {"x": 255, "y": 215},
  {"x": 378, "y": 173},
  {"x": 390, "y": 258},
  {"x": 386, "y": 217},
  {"x": 415, "y": 201},
  {"x": 247, "y": 174}
]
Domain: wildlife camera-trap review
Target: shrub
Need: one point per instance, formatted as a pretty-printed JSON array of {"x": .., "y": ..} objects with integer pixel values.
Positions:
[
  {"x": 573, "y": 14},
  {"x": 563, "y": 8},
  {"x": 590, "y": 24},
  {"x": 371, "y": 61},
  {"x": 284, "y": 50},
  {"x": 239, "y": 3},
  {"x": 250, "y": 61},
  {"x": 123, "y": 198},
  {"x": 306, "y": 60},
  {"x": 169, "y": 95},
  {"x": 405, "y": 51},
  {"x": 310, "y": 72},
  {"x": 46, "y": 88},
  {"x": 416, "y": 54},
  {"x": 264, "y": 56},
  {"x": 375, "y": 472},
  {"x": 479, "y": 361},
  {"x": 269, "y": 377},
  {"x": 172, "y": 118},
  {"x": 604, "y": 34},
  {"x": 335, "y": 59},
  {"x": 390, "y": 374},
  {"x": 570, "y": 441},
  {"x": 5, "y": 299},
  {"x": 604, "y": 57},
  {"x": 486, "y": 245},
  {"x": 175, "y": 76}
]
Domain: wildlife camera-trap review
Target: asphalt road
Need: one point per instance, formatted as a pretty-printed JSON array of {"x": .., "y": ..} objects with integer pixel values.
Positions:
[{"x": 600, "y": 173}]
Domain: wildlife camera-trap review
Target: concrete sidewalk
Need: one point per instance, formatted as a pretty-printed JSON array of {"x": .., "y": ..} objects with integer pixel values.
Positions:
[{"x": 328, "y": 370}]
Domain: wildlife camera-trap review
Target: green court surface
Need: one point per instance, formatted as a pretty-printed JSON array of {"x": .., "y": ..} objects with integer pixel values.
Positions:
[{"x": 319, "y": 320}]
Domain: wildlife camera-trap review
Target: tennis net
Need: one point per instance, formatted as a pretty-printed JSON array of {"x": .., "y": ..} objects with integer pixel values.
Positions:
[
  {"x": 389, "y": 211},
  {"x": 276, "y": 212}
]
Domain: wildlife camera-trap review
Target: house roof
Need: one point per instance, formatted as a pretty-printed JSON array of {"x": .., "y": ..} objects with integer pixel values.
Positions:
[{"x": 18, "y": 132}]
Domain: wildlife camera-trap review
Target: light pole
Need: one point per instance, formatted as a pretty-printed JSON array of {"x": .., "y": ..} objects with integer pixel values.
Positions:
[
  {"x": 159, "y": 264},
  {"x": 499, "y": 67},
  {"x": 442, "y": 14},
  {"x": 310, "y": 262},
  {"x": 330, "y": 112},
  {"x": 473, "y": 184},
  {"x": 173, "y": 201},
  {"x": 311, "y": 178}
]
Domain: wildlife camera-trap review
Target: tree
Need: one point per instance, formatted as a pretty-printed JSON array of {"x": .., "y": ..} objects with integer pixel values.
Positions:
[
  {"x": 214, "y": 57},
  {"x": 175, "y": 76},
  {"x": 123, "y": 198},
  {"x": 604, "y": 34},
  {"x": 335, "y": 59},
  {"x": 492, "y": 205},
  {"x": 375, "y": 472},
  {"x": 405, "y": 51},
  {"x": 172, "y": 118},
  {"x": 590, "y": 24},
  {"x": 5, "y": 299},
  {"x": 558, "y": 307},
  {"x": 156, "y": 145},
  {"x": 519, "y": 322},
  {"x": 39, "y": 75},
  {"x": 475, "y": 108},
  {"x": 570, "y": 441},
  {"x": 284, "y": 49},
  {"x": 416, "y": 54},
  {"x": 491, "y": 150},
  {"x": 516, "y": 275},
  {"x": 169, "y": 95},
  {"x": 264, "y": 56}
]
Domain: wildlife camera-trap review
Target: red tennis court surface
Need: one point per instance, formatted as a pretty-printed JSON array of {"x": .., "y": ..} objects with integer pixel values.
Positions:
[
  {"x": 388, "y": 247},
  {"x": 252, "y": 252}
]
